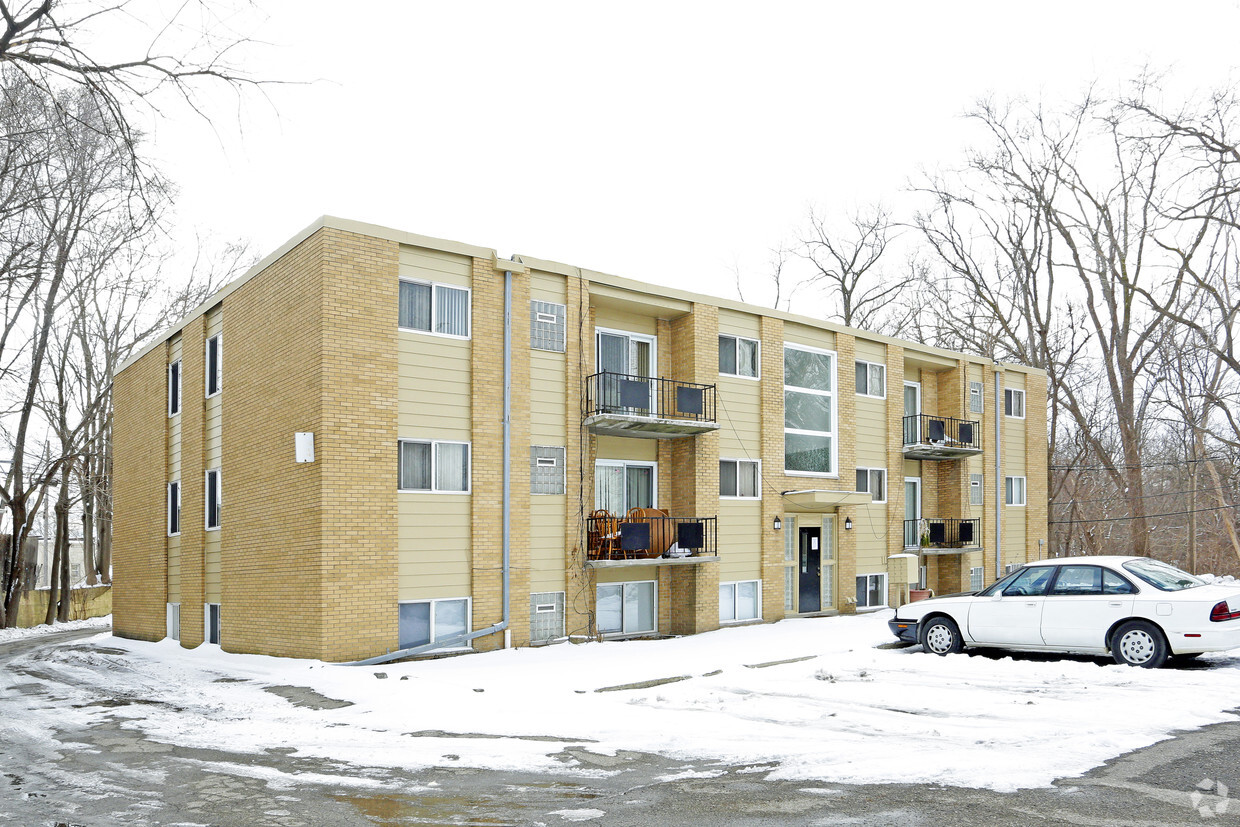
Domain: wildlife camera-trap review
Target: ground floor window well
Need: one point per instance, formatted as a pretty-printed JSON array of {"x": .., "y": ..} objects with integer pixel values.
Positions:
[
  {"x": 739, "y": 601},
  {"x": 626, "y": 608},
  {"x": 426, "y": 621}
]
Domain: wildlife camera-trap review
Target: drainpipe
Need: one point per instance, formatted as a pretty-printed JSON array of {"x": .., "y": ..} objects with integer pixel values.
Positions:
[
  {"x": 502, "y": 626},
  {"x": 999, "y": 490}
]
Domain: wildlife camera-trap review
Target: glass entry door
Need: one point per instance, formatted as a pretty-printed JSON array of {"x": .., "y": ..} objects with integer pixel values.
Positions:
[
  {"x": 912, "y": 407},
  {"x": 912, "y": 510},
  {"x": 631, "y": 356}
]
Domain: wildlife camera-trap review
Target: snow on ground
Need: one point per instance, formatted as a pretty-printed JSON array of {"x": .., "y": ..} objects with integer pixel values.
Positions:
[
  {"x": 848, "y": 712},
  {"x": 7, "y": 635}
]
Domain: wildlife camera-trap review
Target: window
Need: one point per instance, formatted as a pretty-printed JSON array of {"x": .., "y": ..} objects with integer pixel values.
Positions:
[
  {"x": 214, "y": 498},
  {"x": 738, "y": 357},
  {"x": 1014, "y": 490},
  {"x": 626, "y": 608},
  {"x": 738, "y": 478},
  {"x": 975, "y": 397},
  {"x": 790, "y": 562},
  {"x": 434, "y": 308},
  {"x": 547, "y": 326},
  {"x": 546, "y": 470},
  {"x": 174, "y": 509},
  {"x": 620, "y": 486},
  {"x": 809, "y": 411},
  {"x": 873, "y": 480},
  {"x": 211, "y": 622},
  {"x": 1112, "y": 583},
  {"x": 546, "y": 616},
  {"x": 977, "y": 579},
  {"x": 975, "y": 489},
  {"x": 871, "y": 591},
  {"x": 1078, "y": 580},
  {"x": 174, "y": 388},
  {"x": 426, "y": 621},
  {"x": 1030, "y": 582},
  {"x": 172, "y": 621},
  {"x": 442, "y": 467},
  {"x": 214, "y": 366},
  {"x": 739, "y": 601},
  {"x": 872, "y": 380},
  {"x": 1014, "y": 403}
]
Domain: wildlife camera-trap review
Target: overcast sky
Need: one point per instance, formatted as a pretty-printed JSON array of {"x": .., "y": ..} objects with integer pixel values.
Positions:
[{"x": 668, "y": 142}]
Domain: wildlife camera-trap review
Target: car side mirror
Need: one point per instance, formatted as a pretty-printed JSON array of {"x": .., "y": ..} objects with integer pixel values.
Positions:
[{"x": 997, "y": 596}]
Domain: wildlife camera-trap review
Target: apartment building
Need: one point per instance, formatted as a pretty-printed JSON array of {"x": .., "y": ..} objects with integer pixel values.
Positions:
[{"x": 376, "y": 442}]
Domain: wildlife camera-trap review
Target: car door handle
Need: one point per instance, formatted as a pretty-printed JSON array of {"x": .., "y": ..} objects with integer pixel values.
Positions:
[
  {"x": 1116, "y": 605},
  {"x": 1031, "y": 605}
]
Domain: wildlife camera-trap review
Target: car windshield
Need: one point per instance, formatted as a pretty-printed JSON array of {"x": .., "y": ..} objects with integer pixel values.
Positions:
[{"x": 1162, "y": 576}]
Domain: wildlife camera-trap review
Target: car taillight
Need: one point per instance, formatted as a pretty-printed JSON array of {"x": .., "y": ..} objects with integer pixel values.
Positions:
[{"x": 1222, "y": 611}]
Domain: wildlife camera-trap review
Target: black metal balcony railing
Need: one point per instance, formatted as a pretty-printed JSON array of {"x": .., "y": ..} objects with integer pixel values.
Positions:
[
  {"x": 943, "y": 533},
  {"x": 649, "y": 537},
  {"x": 626, "y": 394},
  {"x": 946, "y": 430}
]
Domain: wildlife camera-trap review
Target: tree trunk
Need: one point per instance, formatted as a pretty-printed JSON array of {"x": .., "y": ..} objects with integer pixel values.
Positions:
[{"x": 62, "y": 550}]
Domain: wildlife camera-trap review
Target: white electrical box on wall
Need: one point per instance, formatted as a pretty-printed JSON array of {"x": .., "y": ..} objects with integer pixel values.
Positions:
[{"x": 304, "y": 442}]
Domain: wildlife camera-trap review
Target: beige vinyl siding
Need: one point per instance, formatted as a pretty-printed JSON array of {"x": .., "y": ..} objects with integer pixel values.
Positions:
[
  {"x": 1013, "y": 433},
  {"x": 632, "y": 574},
  {"x": 740, "y": 540},
  {"x": 435, "y": 265},
  {"x": 548, "y": 390},
  {"x": 739, "y": 324},
  {"x": 912, "y": 374},
  {"x": 798, "y": 334},
  {"x": 433, "y": 387},
  {"x": 214, "y": 445},
  {"x": 548, "y": 287},
  {"x": 433, "y": 559},
  {"x": 740, "y": 417},
  {"x": 174, "y": 475},
  {"x": 870, "y": 528},
  {"x": 618, "y": 447},
  {"x": 615, "y": 319},
  {"x": 871, "y": 427},
  {"x": 868, "y": 351},
  {"x": 1013, "y": 536},
  {"x": 912, "y": 468},
  {"x": 547, "y": 518}
]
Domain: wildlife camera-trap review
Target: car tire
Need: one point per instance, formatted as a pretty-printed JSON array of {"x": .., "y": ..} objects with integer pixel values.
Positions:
[
  {"x": 1138, "y": 643},
  {"x": 942, "y": 637}
]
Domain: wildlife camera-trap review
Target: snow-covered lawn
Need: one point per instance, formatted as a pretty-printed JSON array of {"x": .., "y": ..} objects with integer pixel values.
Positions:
[{"x": 848, "y": 712}]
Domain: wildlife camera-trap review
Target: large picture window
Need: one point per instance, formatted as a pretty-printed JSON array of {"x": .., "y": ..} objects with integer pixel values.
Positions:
[
  {"x": 428, "y": 465},
  {"x": 809, "y": 411},
  {"x": 434, "y": 308}
]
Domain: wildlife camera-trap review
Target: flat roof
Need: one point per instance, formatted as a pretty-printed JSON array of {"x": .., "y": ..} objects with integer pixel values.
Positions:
[{"x": 548, "y": 266}]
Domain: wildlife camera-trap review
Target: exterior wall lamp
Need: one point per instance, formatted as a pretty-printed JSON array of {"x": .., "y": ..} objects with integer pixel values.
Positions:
[
  {"x": 848, "y": 523},
  {"x": 778, "y": 523}
]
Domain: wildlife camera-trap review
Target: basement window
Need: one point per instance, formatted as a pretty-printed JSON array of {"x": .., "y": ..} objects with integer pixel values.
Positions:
[{"x": 426, "y": 621}]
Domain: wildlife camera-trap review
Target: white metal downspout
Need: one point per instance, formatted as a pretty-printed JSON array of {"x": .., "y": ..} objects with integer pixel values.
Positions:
[
  {"x": 999, "y": 483},
  {"x": 502, "y": 626}
]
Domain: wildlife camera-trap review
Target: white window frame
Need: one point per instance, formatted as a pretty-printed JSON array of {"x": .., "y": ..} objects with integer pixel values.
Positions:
[
  {"x": 868, "y": 575},
  {"x": 869, "y": 476},
  {"x": 757, "y": 479},
  {"x": 1010, "y": 397},
  {"x": 1010, "y": 491},
  {"x": 434, "y": 601},
  {"x": 868, "y": 365},
  {"x": 977, "y": 493},
  {"x": 977, "y": 397},
  {"x": 539, "y": 461},
  {"x": 654, "y": 613},
  {"x": 172, "y": 508},
  {"x": 977, "y": 578},
  {"x": 435, "y": 287},
  {"x": 624, "y": 463},
  {"x": 535, "y": 319},
  {"x": 213, "y": 479},
  {"x": 835, "y": 414},
  {"x": 736, "y": 356},
  {"x": 736, "y": 590},
  {"x": 218, "y": 338},
  {"x": 434, "y": 489},
  {"x": 174, "y": 388}
]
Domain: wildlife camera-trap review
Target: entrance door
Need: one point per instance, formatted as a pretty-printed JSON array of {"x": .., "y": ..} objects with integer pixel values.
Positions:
[
  {"x": 809, "y": 597},
  {"x": 912, "y": 407},
  {"x": 912, "y": 510}
]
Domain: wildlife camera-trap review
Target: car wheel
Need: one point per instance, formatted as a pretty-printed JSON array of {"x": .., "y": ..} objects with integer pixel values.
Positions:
[
  {"x": 942, "y": 636},
  {"x": 1139, "y": 644}
]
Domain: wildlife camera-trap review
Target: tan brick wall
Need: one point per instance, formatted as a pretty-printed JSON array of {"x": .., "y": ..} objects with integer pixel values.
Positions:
[
  {"x": 579, "y": 459},
  {"x": 193, "y": 481},
  {"x": 896, "y": 591},
  {"x": 139, "y": 539},
  {"x": 487, "y": 388}
]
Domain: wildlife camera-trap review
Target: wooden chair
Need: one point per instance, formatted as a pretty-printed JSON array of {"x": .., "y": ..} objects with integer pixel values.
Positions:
[{"x": 603, "y": 537}]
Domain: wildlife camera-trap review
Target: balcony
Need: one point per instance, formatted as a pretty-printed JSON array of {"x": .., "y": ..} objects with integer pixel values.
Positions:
[
  {"x": 648, "y": 536},
  {"x": 940, "y": 437},
  {"x": 944, "y": 535},
  {"x": 618, "y": 404}
]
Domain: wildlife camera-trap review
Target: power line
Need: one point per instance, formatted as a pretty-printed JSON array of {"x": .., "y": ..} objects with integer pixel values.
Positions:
[
  {"x": 1145, "y": 516},
  {"x": 1145, "y": 497},
  {"x": 1176, "y": 464}
]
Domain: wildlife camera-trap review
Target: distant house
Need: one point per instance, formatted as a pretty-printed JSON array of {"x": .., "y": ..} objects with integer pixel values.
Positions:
[{"x": 374, "y": 441}]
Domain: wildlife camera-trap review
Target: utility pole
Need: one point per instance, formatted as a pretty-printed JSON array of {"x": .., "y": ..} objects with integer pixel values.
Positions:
[{"x": 1192, "y": 503}]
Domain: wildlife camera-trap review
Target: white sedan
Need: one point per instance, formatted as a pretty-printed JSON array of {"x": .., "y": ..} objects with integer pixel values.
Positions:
[{"x": 1139, "y": 610}]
